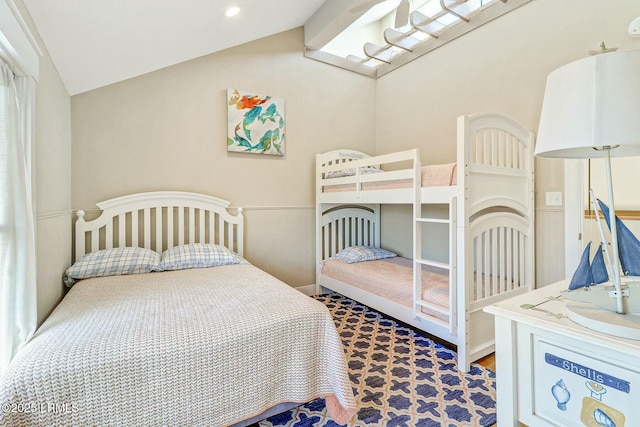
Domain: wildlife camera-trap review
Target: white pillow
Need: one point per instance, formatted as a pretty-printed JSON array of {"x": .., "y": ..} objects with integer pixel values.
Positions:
[
  {"x": 112, "y": 262},
  {"x": 197, "y": 255},
  {"x": 362, "y": 253}
]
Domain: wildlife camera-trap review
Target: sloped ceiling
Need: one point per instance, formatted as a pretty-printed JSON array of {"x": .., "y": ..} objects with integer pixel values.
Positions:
[{"x": 94, "y": 43}]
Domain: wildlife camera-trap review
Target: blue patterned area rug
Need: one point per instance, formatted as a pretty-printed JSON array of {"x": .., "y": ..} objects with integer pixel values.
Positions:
[{"x": 400, "y": 378}]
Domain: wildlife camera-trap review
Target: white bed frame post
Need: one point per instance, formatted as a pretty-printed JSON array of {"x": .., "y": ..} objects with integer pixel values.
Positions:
[
  {"x": 318, "y": 228},
  {"x": 417, "y": 237},
  {"x": 463, "y": 256},
  {"x": 491, "y": 145},
  {"x": 532, "y": 210},
  {"x": 454, "y": 259}
]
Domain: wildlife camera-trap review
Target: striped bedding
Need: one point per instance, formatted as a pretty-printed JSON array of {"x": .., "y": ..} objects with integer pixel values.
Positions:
[{"x": 200, "y": 347}]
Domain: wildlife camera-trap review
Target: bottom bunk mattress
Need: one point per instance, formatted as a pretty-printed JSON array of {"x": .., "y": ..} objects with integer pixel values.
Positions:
[
  {"x": 206, "y": 347},
  {"x": 392, "y": 278}
]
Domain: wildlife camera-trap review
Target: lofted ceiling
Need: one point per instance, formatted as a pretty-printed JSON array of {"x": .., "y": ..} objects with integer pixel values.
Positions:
[
  {"x": 374, "y": 37},
  {"x": 94, "y": 43}
]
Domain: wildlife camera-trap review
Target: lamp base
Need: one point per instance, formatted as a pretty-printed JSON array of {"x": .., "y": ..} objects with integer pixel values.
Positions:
[{"x": 605, "y": 321}]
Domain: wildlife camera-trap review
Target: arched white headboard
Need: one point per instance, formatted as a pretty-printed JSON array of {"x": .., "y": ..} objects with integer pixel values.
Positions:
[{"x": 160, "y": 220}]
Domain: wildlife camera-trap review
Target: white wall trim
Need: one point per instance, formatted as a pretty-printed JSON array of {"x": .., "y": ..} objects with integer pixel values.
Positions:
[
  {"x": 549, "y": 210},
  {"x": 274, "y": 208},
  {"x": 58, "y": 214},
  {"x": 231, "y": 208}
]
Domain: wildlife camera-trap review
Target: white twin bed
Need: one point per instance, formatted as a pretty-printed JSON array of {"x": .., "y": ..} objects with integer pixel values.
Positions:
[
  {"x": 226, "y": 344},
  {"x": 489, "y": 200}
]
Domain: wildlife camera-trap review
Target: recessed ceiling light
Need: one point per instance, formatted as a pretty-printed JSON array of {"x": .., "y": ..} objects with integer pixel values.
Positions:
[{"x": 233, "y": 11}]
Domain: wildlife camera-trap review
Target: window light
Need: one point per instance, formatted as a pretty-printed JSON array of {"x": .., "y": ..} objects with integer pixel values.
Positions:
[{"x": 371, "y": 36}]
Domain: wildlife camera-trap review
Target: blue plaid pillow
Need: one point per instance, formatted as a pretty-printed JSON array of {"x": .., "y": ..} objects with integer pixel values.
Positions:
[
  {"x": 362, "y": 253},
  {"x": 112, "y": 262},
  {"x": 197, "y": 255}
]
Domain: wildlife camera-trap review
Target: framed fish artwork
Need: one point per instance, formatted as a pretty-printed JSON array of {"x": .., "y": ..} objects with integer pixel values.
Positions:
[{"x": 255, "y": 123}]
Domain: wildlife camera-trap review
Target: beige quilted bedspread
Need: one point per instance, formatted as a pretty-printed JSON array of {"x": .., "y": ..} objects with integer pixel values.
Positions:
[{"x": 202, "y": 347}]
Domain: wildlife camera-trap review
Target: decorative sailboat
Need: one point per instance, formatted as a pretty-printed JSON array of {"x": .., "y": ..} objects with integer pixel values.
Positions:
[
  {"x": 589, "y": 274},
  {"x": 590, "y": 283},
  {"x": 628, "y": 245}
]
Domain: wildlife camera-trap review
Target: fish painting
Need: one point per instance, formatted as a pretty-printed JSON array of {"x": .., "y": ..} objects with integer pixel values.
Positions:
[{"x": 255, "y": 123}]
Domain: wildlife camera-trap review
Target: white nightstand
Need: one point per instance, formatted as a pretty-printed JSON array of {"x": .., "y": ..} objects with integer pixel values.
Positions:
[{"x": 551, "y": 371}]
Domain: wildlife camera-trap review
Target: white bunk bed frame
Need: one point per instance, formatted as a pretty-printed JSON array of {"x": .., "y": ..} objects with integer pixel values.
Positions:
[
  {"x": 491, "y": 210},
  {"x": 160, "y": 220}
]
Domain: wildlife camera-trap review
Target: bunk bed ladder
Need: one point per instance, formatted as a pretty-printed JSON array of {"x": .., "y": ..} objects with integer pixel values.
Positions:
[{"x": 451, "y": 266}]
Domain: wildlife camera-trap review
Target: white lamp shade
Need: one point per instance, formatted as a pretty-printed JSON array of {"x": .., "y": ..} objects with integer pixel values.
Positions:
[{"x": 591, "y": 103}]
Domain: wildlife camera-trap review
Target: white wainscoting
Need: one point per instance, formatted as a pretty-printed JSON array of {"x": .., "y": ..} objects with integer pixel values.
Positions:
[
  {"x": 281, "y": 241},
  {"x": 550, "y": 237}
]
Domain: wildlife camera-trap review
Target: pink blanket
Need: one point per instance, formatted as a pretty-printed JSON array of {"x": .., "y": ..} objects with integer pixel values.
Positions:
[
  {"x": 392, "y": 278},
  {"x": 431, "y": 176}
]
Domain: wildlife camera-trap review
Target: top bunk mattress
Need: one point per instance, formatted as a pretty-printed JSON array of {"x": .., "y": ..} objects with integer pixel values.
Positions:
[{"x": 430, "y": 176}]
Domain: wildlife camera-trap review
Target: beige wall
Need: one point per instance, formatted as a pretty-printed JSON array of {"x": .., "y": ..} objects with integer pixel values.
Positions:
[
  {"x": 167, "y": 131},
  {"x": 53, "y": 186},
  {"x": 501, "y": 66},
  {"x": 53, "y": 179}
]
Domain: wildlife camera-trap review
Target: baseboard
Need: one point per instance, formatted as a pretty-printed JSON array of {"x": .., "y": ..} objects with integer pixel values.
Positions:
[
  {"x": 307, "y": 290},
  {"x": 311, "y": 290}
]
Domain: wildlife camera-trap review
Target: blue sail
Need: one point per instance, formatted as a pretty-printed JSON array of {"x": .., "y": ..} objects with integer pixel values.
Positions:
[
  {"x": 582, "y": 276},
  {"x": 598, "y": 269},
  {"x": 588, "y": 274},
  {"x": 628, "y": 245}
]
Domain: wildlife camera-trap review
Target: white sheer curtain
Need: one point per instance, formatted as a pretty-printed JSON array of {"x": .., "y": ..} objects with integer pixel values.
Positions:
[{"x": 18, "y": 310}]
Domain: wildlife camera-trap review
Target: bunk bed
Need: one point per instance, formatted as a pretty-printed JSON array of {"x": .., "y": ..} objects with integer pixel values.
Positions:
[{"x": 489, "y": 218}]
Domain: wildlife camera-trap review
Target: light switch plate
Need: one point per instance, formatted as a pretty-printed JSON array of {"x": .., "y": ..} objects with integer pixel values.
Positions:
[{"x": 553, "y": 198}]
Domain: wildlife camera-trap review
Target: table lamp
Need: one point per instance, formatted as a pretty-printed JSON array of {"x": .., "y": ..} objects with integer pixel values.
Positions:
[{"x": 591, "y": 109}]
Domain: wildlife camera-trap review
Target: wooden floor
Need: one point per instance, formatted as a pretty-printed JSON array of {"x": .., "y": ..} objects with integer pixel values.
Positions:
[{"x": 488, "y": 362}]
